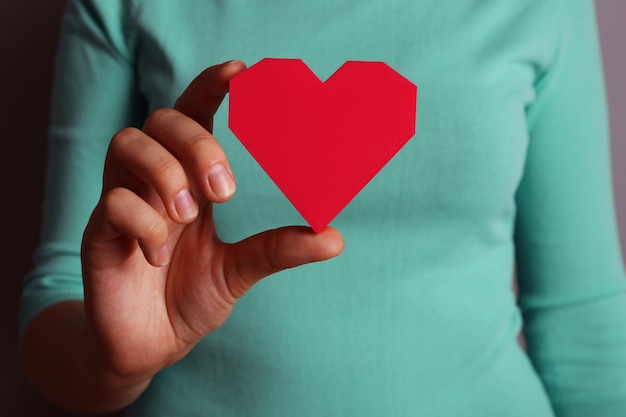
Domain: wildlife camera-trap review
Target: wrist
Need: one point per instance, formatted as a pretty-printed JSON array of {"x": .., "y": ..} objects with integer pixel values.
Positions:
[
  {"x": 110, "y": 378},
  {"x": 62, "y": 360}
]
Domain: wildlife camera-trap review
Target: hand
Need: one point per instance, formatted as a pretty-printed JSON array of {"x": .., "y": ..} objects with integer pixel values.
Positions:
[{"x": 157, "y": 277}]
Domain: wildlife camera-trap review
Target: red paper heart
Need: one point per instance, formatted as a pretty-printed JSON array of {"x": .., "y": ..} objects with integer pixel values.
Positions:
[{"x": 321, "y": 142}]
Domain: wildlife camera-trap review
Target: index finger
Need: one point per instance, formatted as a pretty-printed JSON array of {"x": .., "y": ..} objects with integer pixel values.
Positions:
[{"x": 205, "y": 93}]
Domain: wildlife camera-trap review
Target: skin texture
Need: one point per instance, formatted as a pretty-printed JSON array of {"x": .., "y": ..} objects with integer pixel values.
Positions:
[{"x": 157, "y": 277}]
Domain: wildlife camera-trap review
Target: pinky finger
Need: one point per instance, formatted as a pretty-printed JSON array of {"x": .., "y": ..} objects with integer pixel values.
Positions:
[{"x": 125, "y": 214}]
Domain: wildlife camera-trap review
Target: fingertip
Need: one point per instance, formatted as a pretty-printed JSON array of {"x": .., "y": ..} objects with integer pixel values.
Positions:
[
  {"x": 203, "y": 96},
  {"x": 305, "y": 245},
  {"x": 162, "y": 257},
  {"x": 234, "y": 65},
  {"x": 333, "y": 242},
  {"x": 229, "y": 69},
  {"x": 155, "y": 257},
  {"x": 221, "y": 182},
  {"x": 274, "y": 250},
  {"x": 185, "y": 206},
  {"x": 329, "y": 242},
  {"x": 233, "y": 69}
]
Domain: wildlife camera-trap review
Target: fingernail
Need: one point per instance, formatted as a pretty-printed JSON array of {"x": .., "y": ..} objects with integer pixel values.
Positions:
[
  {"x": 186, "y": 207},
  {"x": 163, "y": 256},
  {"x": 221, "y": 181}
]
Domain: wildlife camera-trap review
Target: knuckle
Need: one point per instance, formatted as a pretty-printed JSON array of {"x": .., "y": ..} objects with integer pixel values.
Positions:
[
  {"x": 202, "y": 147},
  {"x": 167, "y": 168},
  {"x": 154, "y": 229},
  {"x": 121, "y": 139},
  {"x": 272, "y": 245},
  {"x": 236, "y": 283},
  {"x": 200, "y": 143},
  {"x": 114, "y": 206},
  {"x": 133, "y": 216},
  {"x": 235, "y": 290},
  {"x": 158, "y": 117},
  {"x": 112, "y": 199}
]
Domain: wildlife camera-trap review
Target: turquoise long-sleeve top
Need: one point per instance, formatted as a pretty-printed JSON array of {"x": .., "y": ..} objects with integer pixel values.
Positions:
[{"x": 508, "y": 170}]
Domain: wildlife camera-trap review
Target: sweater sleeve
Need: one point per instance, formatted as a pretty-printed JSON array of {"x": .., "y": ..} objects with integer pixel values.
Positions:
[
  {"x": 570, "y": 271},
  {"x": 94, "y": 95}
]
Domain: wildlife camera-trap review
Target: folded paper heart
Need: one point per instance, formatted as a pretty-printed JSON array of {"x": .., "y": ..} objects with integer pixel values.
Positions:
[{"x": 321, "y": 142}]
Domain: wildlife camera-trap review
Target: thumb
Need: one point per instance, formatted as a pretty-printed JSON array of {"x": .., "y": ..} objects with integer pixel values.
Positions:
[
  {"x": 203, "y": 96},
  {"x": 269, "y": 252}
]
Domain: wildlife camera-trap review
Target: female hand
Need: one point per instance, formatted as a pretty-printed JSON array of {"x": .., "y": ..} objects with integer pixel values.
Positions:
[{"x": 157, "y": 277}]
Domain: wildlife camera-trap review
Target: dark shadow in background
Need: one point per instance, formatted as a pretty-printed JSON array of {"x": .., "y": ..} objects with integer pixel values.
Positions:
[{"x": 29, "y": 35}]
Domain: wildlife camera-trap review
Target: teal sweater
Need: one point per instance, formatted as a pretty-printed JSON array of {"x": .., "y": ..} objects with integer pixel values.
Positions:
[{"x": 509, "y": 167}]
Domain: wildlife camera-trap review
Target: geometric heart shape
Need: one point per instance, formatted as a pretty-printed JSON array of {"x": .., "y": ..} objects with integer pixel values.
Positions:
[{"x": 321, "y": 142}]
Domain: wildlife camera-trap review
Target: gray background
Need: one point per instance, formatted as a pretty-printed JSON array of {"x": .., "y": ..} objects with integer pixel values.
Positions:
[{"x": 29, "y": 35}]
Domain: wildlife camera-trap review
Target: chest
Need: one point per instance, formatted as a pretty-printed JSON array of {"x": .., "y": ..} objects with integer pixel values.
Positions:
[{"x": 475, "y": 64}]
